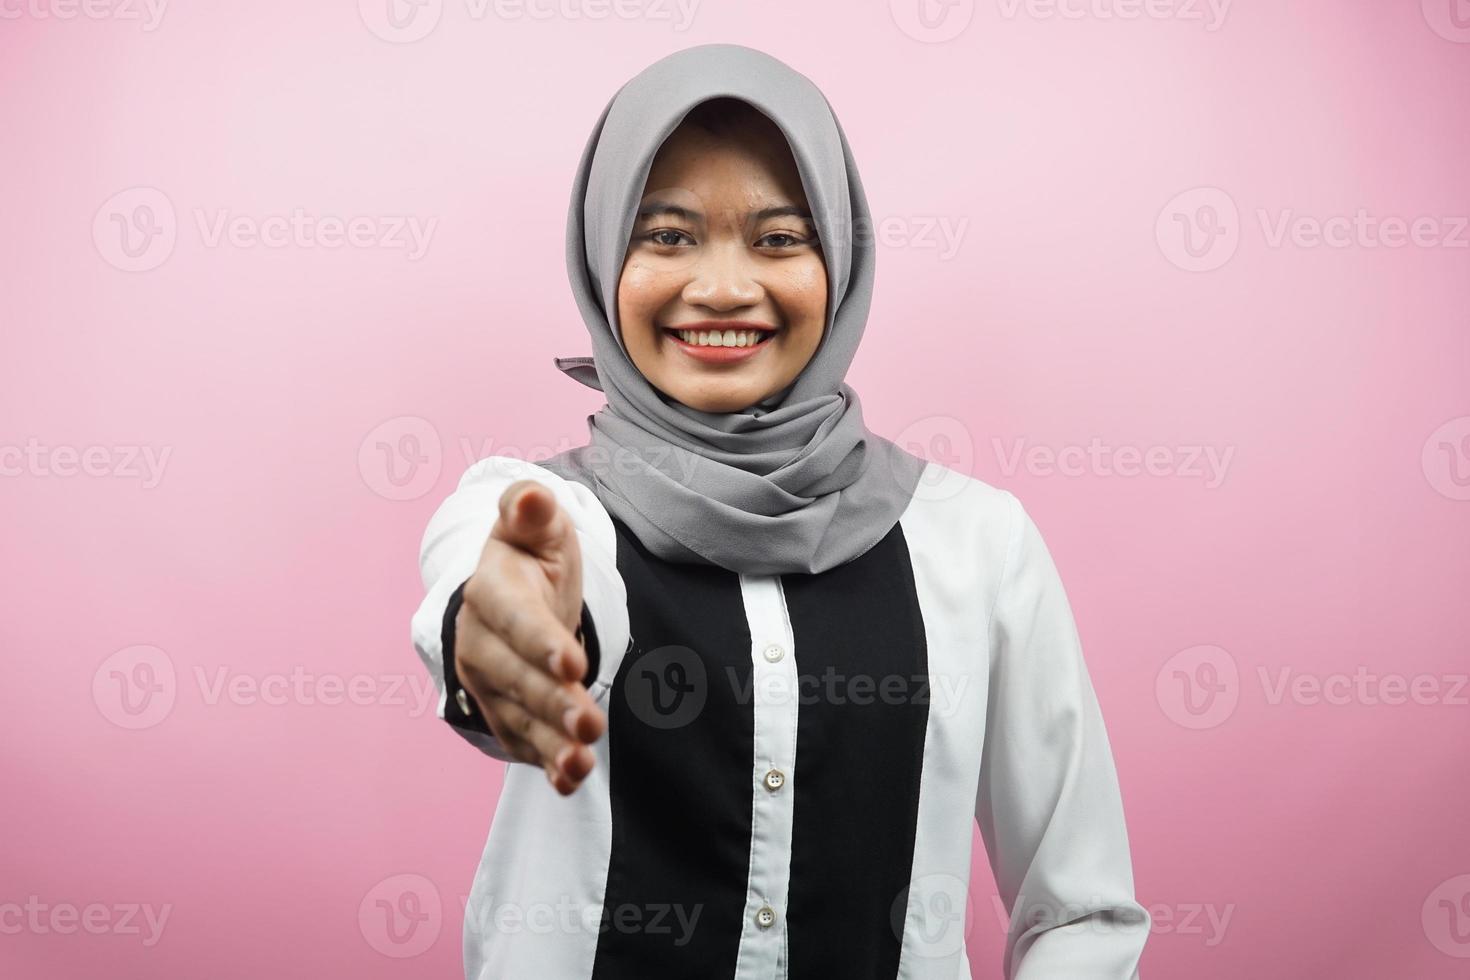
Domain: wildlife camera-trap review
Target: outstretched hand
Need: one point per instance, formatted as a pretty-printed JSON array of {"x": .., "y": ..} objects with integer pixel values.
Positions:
[{"x": 516, "y": 651}]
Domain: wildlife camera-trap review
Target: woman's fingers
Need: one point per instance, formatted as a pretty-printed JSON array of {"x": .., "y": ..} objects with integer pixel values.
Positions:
[
  {"x": 539, "y": 718},
  {"x": 512, "y": 609},
  {"x": 534, "y": 527},
  {"x": 519, "y": 748},
  {"x": 527, "y": 737},
  {"x": 566, "y": 763},
  {"x": 496, "y": 669}
]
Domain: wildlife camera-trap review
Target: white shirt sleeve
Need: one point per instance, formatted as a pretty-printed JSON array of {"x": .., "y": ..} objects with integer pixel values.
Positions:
[
  {"x": 1048, "y": 803},
  {"x": 450, "y": 552}
]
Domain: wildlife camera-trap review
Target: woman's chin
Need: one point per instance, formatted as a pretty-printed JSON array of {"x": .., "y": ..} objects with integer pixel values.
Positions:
[{"x": 717, "y": 400}]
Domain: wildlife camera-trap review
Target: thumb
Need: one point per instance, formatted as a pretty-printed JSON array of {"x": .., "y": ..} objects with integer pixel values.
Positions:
[{"x": 528, "y": 518}]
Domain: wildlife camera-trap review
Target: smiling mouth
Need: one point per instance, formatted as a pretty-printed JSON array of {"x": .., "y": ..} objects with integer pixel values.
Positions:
[{"x": 742, "y": 338}]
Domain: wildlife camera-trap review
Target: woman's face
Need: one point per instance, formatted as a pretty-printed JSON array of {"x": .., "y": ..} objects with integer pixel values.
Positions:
[{"x": 722, "y": 246}]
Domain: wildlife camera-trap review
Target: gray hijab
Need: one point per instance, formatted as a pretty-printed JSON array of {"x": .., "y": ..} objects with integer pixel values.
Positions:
[{"x": 796, "y": 482}]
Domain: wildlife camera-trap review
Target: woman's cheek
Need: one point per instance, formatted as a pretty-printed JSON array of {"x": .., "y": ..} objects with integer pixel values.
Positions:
[
  {"x": 635, "y": 310},
  {"x": 643, "y": 289},
  {"x": 805, "y": 295}
]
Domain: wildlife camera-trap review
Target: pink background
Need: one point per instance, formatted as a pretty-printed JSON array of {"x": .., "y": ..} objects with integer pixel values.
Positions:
[{"x": 316, "y": 403}]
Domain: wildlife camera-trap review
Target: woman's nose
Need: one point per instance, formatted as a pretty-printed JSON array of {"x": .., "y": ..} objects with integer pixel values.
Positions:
[{"x": 722, "y": 278}]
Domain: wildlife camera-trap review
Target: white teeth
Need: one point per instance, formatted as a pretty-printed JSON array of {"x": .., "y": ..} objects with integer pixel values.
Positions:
[{"x": 730, "y": 338}]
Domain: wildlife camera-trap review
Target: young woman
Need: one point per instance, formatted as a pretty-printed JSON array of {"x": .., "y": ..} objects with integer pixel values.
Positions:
[{"x": 765, "y": 668}]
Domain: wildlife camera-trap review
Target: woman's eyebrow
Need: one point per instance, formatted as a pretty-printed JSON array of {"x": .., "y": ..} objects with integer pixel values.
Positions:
[
  {"x": 783, "y": 211},
  {"x": 652, "y": 209}
]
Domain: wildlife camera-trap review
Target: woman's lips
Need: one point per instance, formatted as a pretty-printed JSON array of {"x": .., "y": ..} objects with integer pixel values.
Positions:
[{"x": 717, "y": 355}]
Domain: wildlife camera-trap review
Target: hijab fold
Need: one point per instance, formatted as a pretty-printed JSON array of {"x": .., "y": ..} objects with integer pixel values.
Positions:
[{"x": 796, "y": 482}]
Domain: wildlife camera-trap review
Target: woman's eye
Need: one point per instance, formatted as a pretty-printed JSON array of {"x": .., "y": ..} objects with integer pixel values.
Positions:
[
  {"x": 666, "y": 236},
  {"x": 789, "y": 241}
]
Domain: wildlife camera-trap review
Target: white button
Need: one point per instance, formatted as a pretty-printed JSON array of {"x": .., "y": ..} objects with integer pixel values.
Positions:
[
  {"x": 775, "y": 779},
  {"x": 775, "y": 652},
  {"x": 463, "y": 700},
  {"x": 765, "y": 917}
]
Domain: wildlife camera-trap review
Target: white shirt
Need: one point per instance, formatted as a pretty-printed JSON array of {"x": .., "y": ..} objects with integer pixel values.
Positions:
[{"x": 792, "y": 763}]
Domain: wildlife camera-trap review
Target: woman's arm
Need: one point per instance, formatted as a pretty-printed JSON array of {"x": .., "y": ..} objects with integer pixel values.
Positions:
[
  {"x": 448, "y": 556},
  {"x": 1048, "y": 803}
]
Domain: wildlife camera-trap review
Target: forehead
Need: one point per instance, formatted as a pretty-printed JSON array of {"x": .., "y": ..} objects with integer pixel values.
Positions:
[{"x": 750, "y": 169}]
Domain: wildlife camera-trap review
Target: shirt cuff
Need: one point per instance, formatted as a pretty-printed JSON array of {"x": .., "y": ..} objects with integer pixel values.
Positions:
[{"x": 460, "y": 709}]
